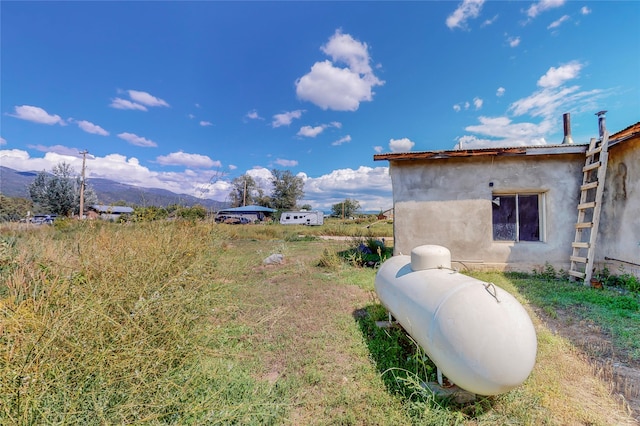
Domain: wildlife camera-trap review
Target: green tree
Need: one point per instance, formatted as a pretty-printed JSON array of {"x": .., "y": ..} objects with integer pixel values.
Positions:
[
  {"x": 13, "y": 208},
  {"x": 347, "y": 208},
  {"x": 145, "y": 214},
  {"x": 306, "y": 207},
  {"x": 245, "y": 192},
  {"x": 287, "y": 189},
  {"x": 58, "y": 192},
  {"x": 192, "y": 213}
]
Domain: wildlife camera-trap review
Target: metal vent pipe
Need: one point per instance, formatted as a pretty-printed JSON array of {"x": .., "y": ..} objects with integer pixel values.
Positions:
[
  {"x": 566, "y": 119},
  {"x": 602, "y": 125}
]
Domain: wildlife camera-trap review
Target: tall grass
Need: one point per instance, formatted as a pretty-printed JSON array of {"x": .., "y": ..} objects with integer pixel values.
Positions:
[
  {"x": 358, "y": 228},
  {"x": 182, "y": 323},
  {"x": 104, "y": 324}
]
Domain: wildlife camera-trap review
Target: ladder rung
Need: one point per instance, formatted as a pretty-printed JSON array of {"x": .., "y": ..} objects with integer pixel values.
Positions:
[
  {"x": 585, "y": 206},
  {"x": 578, "y": 259},
  {"x": 583, "y": 225},
  {"x": 577, "y": 274},
  {"x": 591, "y": 166},
  {"x": 594, "y": 151},
  {"x": 589, "y": 185},
  {"x": 580, "y": 245}
]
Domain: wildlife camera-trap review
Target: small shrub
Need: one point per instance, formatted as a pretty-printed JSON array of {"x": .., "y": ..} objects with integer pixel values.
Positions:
[
  {"x": 329, "y": 259},
  {"x": 62, "y": 223},
  {"x": 548, "y": 272},
  {"x": 624, "y": 281},
  {"x": 630, "y": 282}
]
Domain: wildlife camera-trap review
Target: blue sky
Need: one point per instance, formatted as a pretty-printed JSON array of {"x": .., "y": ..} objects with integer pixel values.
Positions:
[{"x": 187, "y": 96}]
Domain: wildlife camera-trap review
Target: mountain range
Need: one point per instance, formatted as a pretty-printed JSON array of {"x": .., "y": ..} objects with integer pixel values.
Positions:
[{"x": 14, "y": 183}]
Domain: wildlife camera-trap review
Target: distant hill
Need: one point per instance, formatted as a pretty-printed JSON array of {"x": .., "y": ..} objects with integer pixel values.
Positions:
[{"x": 16, "y": 184}]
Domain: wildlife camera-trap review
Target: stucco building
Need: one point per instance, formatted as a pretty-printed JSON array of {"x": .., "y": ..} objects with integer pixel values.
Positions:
[{"x": 516, "y": 208}]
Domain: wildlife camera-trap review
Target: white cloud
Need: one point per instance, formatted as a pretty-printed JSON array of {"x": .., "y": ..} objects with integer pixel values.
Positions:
[
  {"x": 401, "y": 145},
  {"x": 57, "y": 149},
  {"x": 536, "y": 8},
  {"x": 262, "y": 176},
  {"x": 500, "y": 92},
  {"x": 558, "y": 22},
  {"x": 286, "y": 163},
  {"x": 344, "y": 48},
  {"x": 89, "y": 127},
  {"x": 191, "y": 116},
  {"x": 340, "y": 141},
  {"x": 513, "y": 41},
  {"x": 180, "y": 158},
  {"x": 466, "y": 10},
  {"x": 121, "y": 169},
  {"x": 310, "y": 132},
  {"x": 119, "y": 103},
  {"x": 286, "y": 118},
  {"x": 253, "y": 115},
  {"x": 3, "y": 141},
  {"x": 546, "y": 105},
  {"x": 370, "y": 186},
  {"x": 463, "y": 105},
  {"x": 549, "y": 102},
  {"x": 477, "y": 103},
  {"x": 134, "y": 139},
  {"x": 206, "y": 123},
  {"x": 146, "y": 99},
  {"x": 585, "y": 10},
  {"x": 555, "y": 77},
  {"x": 340, "y": 89},
  {"x": 488, "y": 22},
  {"x": 378, "y": 149},
  {"x": 513, "y": 134},
  {"x": 37, "y": 115},
  {"x": 232, "y": 167}
]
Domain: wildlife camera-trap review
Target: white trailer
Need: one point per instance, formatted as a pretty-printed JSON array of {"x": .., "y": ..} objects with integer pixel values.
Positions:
[{"x": 303, "y": 217}]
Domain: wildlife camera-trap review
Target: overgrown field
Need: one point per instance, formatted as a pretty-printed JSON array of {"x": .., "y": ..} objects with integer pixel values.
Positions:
[{"x": 183, "y": 323}]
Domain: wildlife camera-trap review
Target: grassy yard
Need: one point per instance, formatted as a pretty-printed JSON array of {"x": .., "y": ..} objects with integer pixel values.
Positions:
[{"x": 183, "y": 323}]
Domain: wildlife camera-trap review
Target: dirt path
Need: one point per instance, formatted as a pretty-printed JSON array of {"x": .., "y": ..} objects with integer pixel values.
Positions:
[{"x": 306, "y": 327}]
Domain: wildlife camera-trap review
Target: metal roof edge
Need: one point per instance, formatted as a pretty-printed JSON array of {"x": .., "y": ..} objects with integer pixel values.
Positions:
[{"x": 479, "y": 152}]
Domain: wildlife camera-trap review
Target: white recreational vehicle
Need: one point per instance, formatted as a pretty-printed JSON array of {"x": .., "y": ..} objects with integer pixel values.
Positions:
[{"x": 303, "y": 217}]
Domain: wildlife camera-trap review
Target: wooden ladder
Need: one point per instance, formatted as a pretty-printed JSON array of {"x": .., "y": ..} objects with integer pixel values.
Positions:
[{"x": 594, "y": 173}]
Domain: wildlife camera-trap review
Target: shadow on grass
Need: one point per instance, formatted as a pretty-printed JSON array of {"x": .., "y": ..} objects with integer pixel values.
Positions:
[
  {"x": 405, "y": 368},
  {"x": 369, "y": 252}
]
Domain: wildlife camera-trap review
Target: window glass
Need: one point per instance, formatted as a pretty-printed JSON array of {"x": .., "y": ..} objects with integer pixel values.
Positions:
[
  {"x": 516, "y": 217},
  {"x": 504, "y": 218},
  {"x": 528, "y": 218}
]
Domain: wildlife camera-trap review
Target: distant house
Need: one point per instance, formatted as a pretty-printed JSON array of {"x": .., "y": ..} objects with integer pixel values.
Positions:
[
  {"x": 107, "y": 212},
  {"x": 516, "y": 208},
  {"x": 244, "y": 214},
  {"x": 387, "y": 214}
]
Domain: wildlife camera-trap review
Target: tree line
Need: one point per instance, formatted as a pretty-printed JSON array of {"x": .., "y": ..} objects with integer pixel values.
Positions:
[{"x": 58, "y": 192}]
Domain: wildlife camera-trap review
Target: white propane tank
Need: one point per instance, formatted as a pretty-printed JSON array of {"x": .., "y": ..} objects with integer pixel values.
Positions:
[{"x": 476, "y": 333}]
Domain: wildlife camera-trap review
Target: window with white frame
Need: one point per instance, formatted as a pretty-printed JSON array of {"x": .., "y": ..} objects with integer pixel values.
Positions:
[{"x": 517, "y": 217}]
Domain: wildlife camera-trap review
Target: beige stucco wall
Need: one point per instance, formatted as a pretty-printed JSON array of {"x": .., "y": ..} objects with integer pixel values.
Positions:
[
  {"x": 448, "y": 202},
  {"x": 619, "y": 236}
]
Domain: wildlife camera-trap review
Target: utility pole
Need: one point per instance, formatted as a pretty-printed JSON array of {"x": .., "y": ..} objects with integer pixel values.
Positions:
[
  {"x": 244, "y": 193},
  {"x": 84, "y": 160}
]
